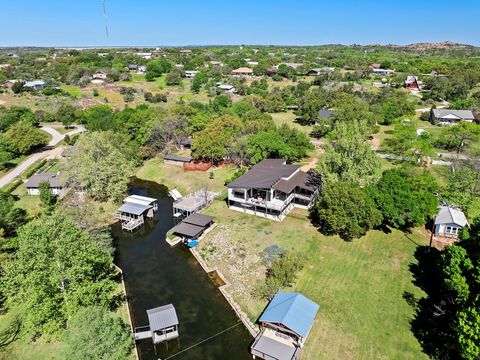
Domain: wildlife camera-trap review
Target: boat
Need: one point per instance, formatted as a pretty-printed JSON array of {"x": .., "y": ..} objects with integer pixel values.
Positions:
[{"x": 192, "y": 243}]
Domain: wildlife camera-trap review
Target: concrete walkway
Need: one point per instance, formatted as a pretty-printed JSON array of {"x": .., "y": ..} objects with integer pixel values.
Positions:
[{"x": 43, "y": 153}]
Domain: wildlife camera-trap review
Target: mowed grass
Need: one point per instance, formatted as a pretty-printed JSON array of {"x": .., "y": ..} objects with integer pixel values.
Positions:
[
  {"x": 174, "y": 176},
  {"x": 289, "y": 118},
  {"x": 359, "y": 285}
]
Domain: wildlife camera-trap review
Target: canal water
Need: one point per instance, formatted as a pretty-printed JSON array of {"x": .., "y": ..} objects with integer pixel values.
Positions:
[{"x": 156, "y": 274}]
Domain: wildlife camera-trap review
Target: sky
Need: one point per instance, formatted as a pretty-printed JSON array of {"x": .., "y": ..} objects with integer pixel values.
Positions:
[{"x": 259, "y": 22}]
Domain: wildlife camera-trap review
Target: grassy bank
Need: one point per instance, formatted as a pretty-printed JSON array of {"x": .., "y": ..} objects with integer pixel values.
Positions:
[{"x": 359, "y": 285}]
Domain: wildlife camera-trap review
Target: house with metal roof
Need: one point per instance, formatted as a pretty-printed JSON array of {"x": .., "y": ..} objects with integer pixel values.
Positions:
[
  {"x": 448, "y": 117},
  {"x": 173, "y": 159},
  {"x": 285, "y": 324},
  {"x": 271, "y": 189},
  {"x": 35, "y": 85},
  {"x": 242, "y": 71},
  {"x": 134, "y": 210},
  {"x": 449, "y": 221},
  {"x": 53, "y": 180}
]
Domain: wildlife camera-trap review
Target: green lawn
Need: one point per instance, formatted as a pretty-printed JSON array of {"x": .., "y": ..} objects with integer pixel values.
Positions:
[
  {"x": 288, "y": 118},
  {"x": 359, "y": 285},
  {"x": 72, "y": 90},
  {"x": 185, "y": 181}
]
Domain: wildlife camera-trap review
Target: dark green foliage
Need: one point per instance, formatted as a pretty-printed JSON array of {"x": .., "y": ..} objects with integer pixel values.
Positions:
[
  {"x": 14, "y": 114},
  {"x": 47, "y": 197},
  {"x": 281, "y": 274},
  {"x": 346, "y": 210},
  {"x": 236, "y": 175},
  {"x": 11, "y": 217},
  {"x": 156, "y": 68},
  {"x": 404, "y": 199},
  {"x": 93, "y": 333},
  {"x": 174, "y": 78},
  {"x": 99, "y": 117},
  {"x": 26, "y": 138},
  {"x": 447, "y": 319},
  {"x": 57, "y": 269}
]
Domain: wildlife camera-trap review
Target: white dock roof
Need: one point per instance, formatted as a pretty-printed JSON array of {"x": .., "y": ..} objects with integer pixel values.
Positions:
[{"x": 141, "y": 200}]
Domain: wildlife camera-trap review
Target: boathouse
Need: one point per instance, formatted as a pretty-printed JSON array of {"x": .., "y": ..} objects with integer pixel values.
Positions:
[
  {"x": 134, "y": 210},
  {"x": 192, "y": 228},
  {"x": 162, "y": 325},
  {"x": 284, "y": 326}
]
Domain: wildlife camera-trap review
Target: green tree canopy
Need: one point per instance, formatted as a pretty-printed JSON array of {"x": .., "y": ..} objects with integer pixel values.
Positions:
[
  {"x": 93, "y": 333},
  {"x": 102, "y": 163},
  {"x": 57, "y": 269},
  {"x": 405, "y": 199},
  {"x": 25, "y": 137},
  {"x": 447, "y": 319},
  {"x": 346, "y": 210},
  {"x": 349, "y": 158}
]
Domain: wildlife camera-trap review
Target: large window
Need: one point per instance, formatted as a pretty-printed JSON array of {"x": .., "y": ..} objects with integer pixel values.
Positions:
[{"x": 452, "y": 230}]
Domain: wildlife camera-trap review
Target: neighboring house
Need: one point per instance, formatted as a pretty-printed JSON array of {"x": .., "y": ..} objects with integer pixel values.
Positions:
[
  {"x": 132, "y": 67},
  {"x": 380, "y": 71},
  {"x": 216, "y": 63},
  {"x": 185, "y": 52},
  {"x": 325, "y": 114},
  {"x": 226, "y": 87},
  {"x": 35, "y": 85},
  {"x": 291, "y": 65},
  {"x": 271, "y": 189},
  {"x": 451, "y": 117},
  {"x": 412, "y": 83},
  {"x": 99, "y": 77},
  {"x": 190, "y": 74},
  {"x": 242, "y": 71},
  {"x": 252, "y": 63},
  {"x": 319, "y": 71},
  {"x": 33, "y": 184},
  {"x": 142, "y": 69},
  {"x": 449, "y": 221},
  {"x": 285, "y": 324},
  {"x": 145, "y": 55}
]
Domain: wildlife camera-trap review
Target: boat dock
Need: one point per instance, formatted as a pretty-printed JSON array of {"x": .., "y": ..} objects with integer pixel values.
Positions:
[{"x": 134, "y": 210}]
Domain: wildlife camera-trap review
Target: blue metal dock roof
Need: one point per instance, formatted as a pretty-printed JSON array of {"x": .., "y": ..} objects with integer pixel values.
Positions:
[{"x": 292, "y": 310}]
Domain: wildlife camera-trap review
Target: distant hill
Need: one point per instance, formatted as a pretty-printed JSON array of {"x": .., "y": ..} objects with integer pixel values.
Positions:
[{"x": 444, "y": 45}]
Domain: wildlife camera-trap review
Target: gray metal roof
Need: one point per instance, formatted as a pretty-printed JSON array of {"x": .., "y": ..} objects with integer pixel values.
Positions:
[
  {"x": 275, "y": 349},
  {"x": 188, "y": 230},
  {"x": 52, "y": 179},
  {"x": 450, "y": 215},
  {"x": 264, "y": 175},
  {"x": 198, "y": 219},
  {"x": 325, "y": 114},
  {"x": 134, "y": 209},
  {"x": 162, "y": 317},
  {"x": 448, "y": 113},
  {"x": 177, "y": 158}
]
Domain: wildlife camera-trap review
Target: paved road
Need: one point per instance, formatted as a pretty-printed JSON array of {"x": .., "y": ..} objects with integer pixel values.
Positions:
[{"x": 44, "y": 153}]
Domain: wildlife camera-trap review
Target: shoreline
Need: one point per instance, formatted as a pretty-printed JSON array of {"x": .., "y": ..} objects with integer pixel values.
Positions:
[{"x": 223, "y": 289}]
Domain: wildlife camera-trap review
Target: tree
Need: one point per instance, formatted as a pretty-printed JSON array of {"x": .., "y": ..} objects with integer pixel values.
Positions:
[
  {"x": 349, "y": 158},
  {"x": 460, "y": 136},
  {"x": 26, "y": 138},
  {"x": 174, "y": 78},
  {"x": 11, "y": 217},
  {"x": 447, "y": 319},
  {"x": 212, "y": 142},
  {"x": 405, "y": 200},
  {"x": 156, "y": 68},
  {"x": 346, "y": 210},
  {"x": 47, "y": 197},
  {"x": 66, "y": 114},
  {"x": 406, "y": 142},
  {"x": 168, "y": 132},
  {"x": 102, "y": 163},
  {"x": 7, "y": 151},
  {"x": 14, "y": 114},
  {"x": 93, "y": 333},
  {"x": 99, "y": 117},
  {"x": 56, "y": 270},
  {"x": 281, "y": 274}
]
